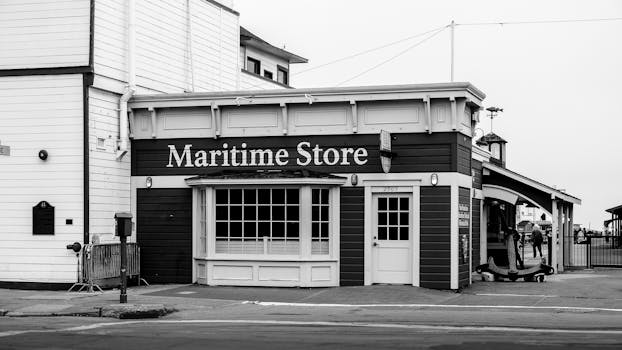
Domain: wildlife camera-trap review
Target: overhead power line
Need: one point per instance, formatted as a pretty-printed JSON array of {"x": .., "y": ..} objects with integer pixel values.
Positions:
[
  {"x": 438, "y": 31},
  {"x": 370, "y": 50},
  {"x": 553, "y": 21}
]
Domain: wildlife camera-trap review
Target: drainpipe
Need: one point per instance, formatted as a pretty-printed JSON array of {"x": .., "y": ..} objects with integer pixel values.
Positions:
[{"x": 130, "y": 89}]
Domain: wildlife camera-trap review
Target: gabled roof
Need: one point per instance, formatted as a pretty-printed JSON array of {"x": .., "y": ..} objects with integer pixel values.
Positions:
[
  {"x": 490, "y": 137},
  {"x": 615, "y": 210},
  {"x": 249, "y": 39}
]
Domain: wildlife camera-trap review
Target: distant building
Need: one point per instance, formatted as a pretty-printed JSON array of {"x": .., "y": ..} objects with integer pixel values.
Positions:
[{"x": 67, "y": 70}]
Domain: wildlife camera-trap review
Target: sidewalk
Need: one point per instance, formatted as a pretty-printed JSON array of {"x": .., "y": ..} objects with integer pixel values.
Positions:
[{"x": 587, "y": 289}]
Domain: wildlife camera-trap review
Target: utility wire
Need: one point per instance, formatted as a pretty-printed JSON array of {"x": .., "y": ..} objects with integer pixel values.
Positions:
[
  {"x": 541, "y": 22},
  {"x": 438, "y": 31},
  {"x": 369, "y": 50}
]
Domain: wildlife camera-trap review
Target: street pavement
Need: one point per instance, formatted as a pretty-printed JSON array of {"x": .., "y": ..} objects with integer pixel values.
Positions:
[{"x": 581, "y": 309}]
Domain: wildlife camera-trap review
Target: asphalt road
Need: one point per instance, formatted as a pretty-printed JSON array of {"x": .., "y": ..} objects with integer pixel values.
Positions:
[{"x": 239, "y": 326}]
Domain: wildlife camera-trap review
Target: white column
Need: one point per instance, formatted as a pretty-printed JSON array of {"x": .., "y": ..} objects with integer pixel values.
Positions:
[
  {"x": 563, "y": 234},
  {"x": 453, "y": 238},
  {"x": 483, "y": 233},
  {"x": 553, "y": 238},
  {"x": 570, "y": 240}
]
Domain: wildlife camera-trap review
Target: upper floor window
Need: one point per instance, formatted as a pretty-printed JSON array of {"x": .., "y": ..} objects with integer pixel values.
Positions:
[
  {"x": 268, "y": 74},
  {"x": 253, "y": 65},
  {"x": 282, "y": 75}
]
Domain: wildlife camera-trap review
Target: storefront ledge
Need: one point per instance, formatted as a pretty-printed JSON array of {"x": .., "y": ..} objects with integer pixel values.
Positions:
[{"x": 263, "y": 259}]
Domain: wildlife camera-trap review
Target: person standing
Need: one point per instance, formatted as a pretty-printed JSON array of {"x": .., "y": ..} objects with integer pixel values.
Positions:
[{"x": 536, "y": 240}]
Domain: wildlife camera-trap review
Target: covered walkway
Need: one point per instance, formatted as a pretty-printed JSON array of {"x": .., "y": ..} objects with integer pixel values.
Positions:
[{"x": 513, "y": 189}]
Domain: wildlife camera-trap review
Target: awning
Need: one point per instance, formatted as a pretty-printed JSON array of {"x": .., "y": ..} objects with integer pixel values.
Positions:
[
  {"x": 514, "y": 188},
  {"x": 265, "y": 177}
]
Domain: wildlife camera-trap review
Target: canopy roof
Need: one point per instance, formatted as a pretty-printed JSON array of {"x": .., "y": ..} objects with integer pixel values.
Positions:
[{"x": 516, "y": 188}]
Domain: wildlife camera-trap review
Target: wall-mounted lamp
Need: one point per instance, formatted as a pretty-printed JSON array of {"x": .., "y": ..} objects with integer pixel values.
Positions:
[
  {"x": 43, "y": 154},
  {"x": 434, "y": 179},
  {"x": 149, "y": 182},
  {"x": 354, "y": 179}
]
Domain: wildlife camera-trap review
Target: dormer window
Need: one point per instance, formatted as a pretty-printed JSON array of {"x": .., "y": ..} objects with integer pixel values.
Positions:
[
  {"x": 253, "y": 65},
  {"x": 282, "y": 75}
]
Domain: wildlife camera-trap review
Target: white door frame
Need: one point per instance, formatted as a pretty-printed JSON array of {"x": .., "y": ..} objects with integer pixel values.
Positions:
[
  {"x": 378, "y": 244},
  {"x": 392, "y": 186}
]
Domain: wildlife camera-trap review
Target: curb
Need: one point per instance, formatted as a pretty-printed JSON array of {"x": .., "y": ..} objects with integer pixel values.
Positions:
[
  {"x": 125, "y": 311},
  {"x": 135, "y": 311}
]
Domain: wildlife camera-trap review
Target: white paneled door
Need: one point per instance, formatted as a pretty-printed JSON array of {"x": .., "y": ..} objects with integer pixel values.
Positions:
[{"x": 391, "y": 238}]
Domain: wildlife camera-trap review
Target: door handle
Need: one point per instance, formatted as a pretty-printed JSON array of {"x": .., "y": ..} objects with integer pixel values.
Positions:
[{"x": 375, "y": 244}]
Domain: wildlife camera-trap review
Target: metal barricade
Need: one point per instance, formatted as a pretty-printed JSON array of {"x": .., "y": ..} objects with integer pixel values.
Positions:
[{"x": 103, "y": 261}]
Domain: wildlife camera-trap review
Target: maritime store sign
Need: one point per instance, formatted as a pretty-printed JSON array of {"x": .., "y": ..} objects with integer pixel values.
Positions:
[{"x": 241, "y": 155}]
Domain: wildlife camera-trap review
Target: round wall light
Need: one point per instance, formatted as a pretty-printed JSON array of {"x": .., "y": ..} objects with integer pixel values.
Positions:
[
  {"x": 434, "y": 179},
  {"x": 149, "y": 182},
  {"x": 43, "y": 154}
]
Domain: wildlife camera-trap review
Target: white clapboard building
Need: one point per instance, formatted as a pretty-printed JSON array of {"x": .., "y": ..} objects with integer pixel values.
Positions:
[{"x": 67, "y": 70}]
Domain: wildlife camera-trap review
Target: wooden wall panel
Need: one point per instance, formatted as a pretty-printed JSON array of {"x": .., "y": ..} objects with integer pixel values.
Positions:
[
  {"x": 164, "y": 233},
  {"x": 44, "y": 33},
  {"x": 352, "y": 236},
  {"x": 435, "y": 228},
  {"x": 40, "y": 113}
]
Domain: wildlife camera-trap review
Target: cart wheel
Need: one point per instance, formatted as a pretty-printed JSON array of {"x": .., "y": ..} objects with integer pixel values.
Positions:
[{"x": 540, "y": 279}]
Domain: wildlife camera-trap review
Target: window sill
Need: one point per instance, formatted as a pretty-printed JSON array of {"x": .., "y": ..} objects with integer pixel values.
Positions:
[{"x": 266, "y": 79}]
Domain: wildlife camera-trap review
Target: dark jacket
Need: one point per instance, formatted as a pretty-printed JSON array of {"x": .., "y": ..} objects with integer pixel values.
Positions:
[{"x": 536, "y": 237}]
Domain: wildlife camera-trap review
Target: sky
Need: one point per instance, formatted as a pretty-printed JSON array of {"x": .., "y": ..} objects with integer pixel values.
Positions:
[{"x": 559, "y": 83}]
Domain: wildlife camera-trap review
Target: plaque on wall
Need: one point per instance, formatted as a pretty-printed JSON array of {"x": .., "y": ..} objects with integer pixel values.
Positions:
[{"x": 43, "y": 219}]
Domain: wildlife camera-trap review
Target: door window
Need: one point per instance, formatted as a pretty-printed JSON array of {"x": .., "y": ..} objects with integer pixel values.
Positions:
[{"x": 393, "y": 218}]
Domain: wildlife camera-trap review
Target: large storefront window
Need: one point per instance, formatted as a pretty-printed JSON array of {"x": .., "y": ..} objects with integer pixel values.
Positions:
[{"x": 258, "y": 221}]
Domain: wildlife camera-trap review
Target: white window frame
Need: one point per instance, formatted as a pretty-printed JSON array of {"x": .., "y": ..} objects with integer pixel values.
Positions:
[
  {"x": 304, "y": 184},
  {"x": 257, "y": 220}
]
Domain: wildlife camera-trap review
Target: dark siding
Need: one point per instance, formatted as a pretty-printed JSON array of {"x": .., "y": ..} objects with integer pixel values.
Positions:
[
  {"x": 463, "y": 154},
  {"x": 435, "y": 228},
  {"x": 464, "y": 198},
  {"x": 415, "y": 152},
  {"x": 352, "y": 237},
  {"x": 164, "y": 234},
  {"x": 475, "y": 224},
  {"x": 477, "y": 173}
]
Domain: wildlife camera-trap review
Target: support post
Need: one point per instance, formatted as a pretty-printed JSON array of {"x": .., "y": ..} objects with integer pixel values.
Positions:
[
  {"x": 570, "y": 241},
  {"x": 553, "y": 238},
  {"x": 123, "y": 296}
]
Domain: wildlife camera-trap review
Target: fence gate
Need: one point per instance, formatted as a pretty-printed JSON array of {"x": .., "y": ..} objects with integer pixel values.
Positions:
[
  {"x": 605, "y": 251},
  {"x": 593, "y": 252}
]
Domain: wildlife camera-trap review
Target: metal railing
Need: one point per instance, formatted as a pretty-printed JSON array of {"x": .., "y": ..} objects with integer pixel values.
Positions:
[{"x": 103, "y": 261}]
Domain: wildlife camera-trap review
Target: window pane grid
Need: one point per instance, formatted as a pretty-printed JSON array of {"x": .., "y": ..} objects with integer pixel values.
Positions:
[
  {"x": 320, "y": 221},
  {"x": 393, "y": 218},
  {"x": 257, "y": 221}
]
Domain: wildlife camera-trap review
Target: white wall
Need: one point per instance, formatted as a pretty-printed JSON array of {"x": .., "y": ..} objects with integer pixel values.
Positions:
[
  {"x": 40, "y": 112},
  {"x": 268, "y": 61},
  {"x": 249, "y": 81},
  {"x": 162, "y": 48},
  {"x": 109, "y": 179},
  {"x": 44, "y": 33}
]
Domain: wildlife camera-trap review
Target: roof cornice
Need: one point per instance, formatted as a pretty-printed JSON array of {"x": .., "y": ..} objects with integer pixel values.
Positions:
[{"x": 312, "y": 95}]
